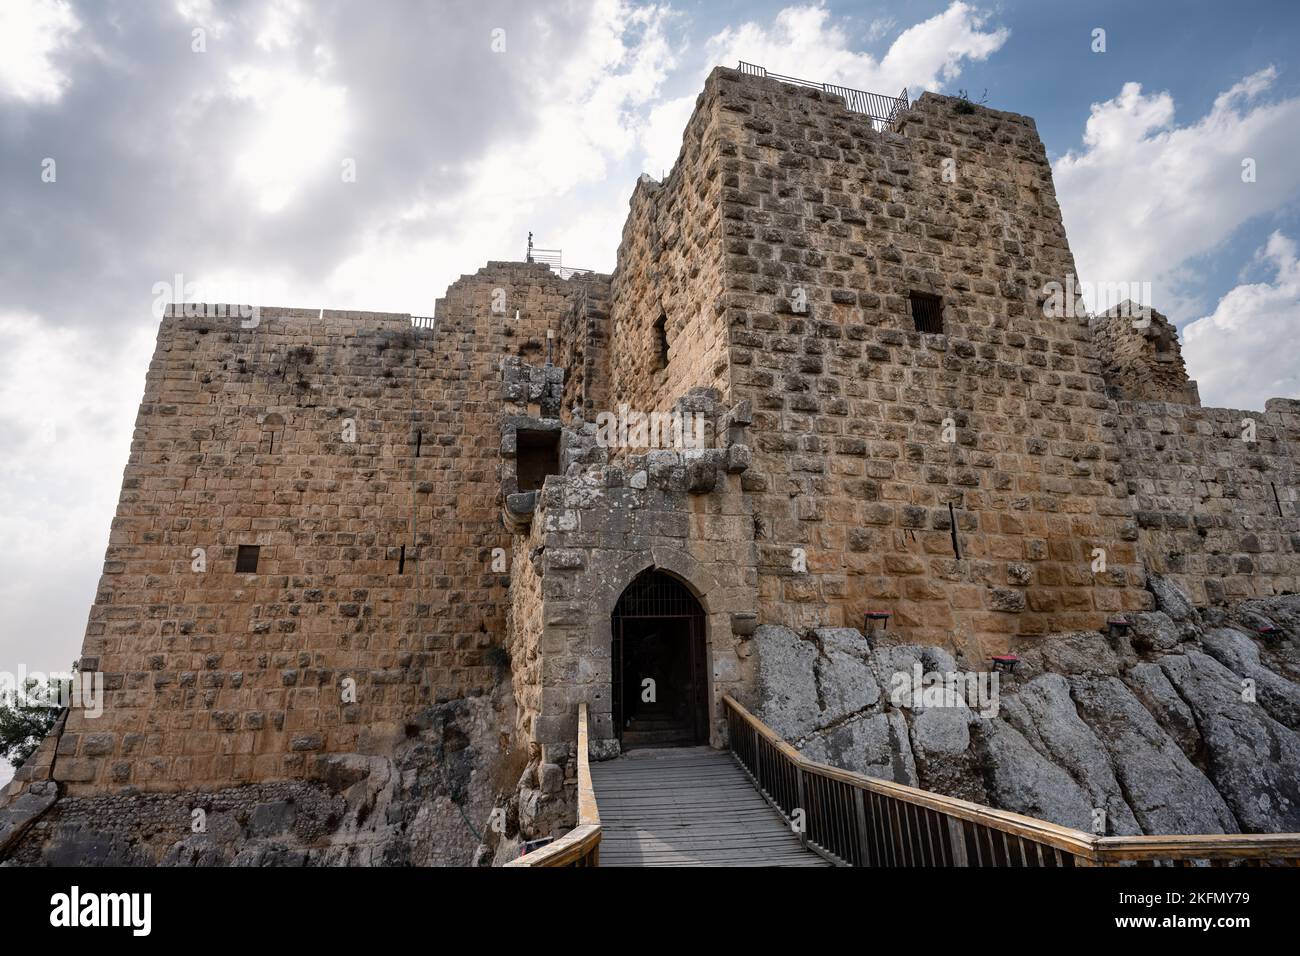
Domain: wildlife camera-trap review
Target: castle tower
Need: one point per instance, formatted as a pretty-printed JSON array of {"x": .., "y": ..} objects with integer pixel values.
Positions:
[{"x": 1141, "y": 357}]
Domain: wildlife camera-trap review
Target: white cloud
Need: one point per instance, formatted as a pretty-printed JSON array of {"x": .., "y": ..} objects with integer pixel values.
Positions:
[
  {"x": 70, "y": 400},
  {"x": 299, "y": 122},
  {"x": 1244, "y": 352},
  {"x": 32, "y": 32},
  {"x": 589, "y": 120},
  {"x": 804, "y": 41},
  {"x": 1144, "y": 196},
  {"x": 280, "y": 24}
]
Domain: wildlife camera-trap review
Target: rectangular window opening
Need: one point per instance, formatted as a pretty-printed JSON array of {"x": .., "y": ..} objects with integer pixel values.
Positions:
[
  {"x": 246, "y": 559},
  {"x": 927, "y": 312},
  {"x": 419, "y": 442},
  {"x": 537, "y": 454},
  {"x": 401, "y": 561}
]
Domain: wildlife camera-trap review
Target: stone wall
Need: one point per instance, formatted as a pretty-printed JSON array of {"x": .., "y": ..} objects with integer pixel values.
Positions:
[
  {"x": 1141, "y": 357},
  {"x": 595, "y": 528},
  {"x": 583, "y": 343},
  {"x": 362, "y": 455},
  {"x": 670, "y": 267},
  {"x": 1217, "y": 513},
  {"x": 828, "y": 227}
]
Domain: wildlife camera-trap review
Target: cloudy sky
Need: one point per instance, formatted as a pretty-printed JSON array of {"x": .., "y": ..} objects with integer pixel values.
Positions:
[{"x": 363, "y": 155}]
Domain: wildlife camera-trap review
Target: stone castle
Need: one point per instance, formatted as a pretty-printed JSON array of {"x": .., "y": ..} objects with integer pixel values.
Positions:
[{"x": 365, "y": 566}]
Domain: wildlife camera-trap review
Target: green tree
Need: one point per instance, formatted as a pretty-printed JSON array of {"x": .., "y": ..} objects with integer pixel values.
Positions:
[{"x": 25, "y": 719}]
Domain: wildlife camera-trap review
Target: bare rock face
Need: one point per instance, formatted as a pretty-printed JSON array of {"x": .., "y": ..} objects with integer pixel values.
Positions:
[
  {"x": 1253, "y": 760},
  {"x": 873, "y": 744},
  {"x": 786, "y": 683},
  {"x": 1046, "y": 714},
  {"x": 1159, "y": 785},
  {"x": 1186, "y": 725},
  {"x": 1237, "y": 652},
  {"x": 845, "y": 683},
  {"x": 1080, "y": 652},
  {"x": 1150, "y": 685},
  {"x": 1020, "y": 778},
  {"x": 426, "y": 805},
  {"x": 1171, "y": 599}
]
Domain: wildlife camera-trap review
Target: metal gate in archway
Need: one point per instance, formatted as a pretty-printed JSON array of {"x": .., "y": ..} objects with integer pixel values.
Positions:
[{"x": 660, "y": 692}]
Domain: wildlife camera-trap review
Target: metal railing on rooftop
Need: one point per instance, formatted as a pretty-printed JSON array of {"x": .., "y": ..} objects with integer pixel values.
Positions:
[
  {"x": 553, "y": 258},
  {"x": 881, "y": 109}
]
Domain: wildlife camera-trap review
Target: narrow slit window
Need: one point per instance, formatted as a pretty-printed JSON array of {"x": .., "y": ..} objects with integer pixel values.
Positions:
[
  {"x": 952, "y": 525},
  {"x": 661, "y": 342},
  {"x": 419, "y": 443},
  {"x": 401, "y": 561},
  {"x": 927, "y": 312},
  {"x": 246, "y": 559}
]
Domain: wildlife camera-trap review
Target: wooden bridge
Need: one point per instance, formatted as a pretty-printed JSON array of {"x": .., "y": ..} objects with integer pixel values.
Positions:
[
  {"x": 689, "y": 806},
  {"x": 764, "y": 804}
]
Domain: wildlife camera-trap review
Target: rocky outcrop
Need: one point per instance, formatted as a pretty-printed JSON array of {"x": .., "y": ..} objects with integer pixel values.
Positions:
[
  {"x": 426, "y": 805},
  {"x": 1190, "y": 723}
]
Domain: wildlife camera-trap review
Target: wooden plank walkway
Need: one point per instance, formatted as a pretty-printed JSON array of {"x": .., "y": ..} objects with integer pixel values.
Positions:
[{"x": 689, "y": 806}]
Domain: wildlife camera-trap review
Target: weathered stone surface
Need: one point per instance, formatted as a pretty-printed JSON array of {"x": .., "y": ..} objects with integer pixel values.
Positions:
[
  {"x": 1150, "y": 685},
  {"x": 1019, "y": 778},
  {"x": 1253, "y": 760},
  {"x": 1155, "y": 631},
  {"x": 1080, "y": 652},
  {"x": 1171, "y": 598},
  {"x": 1045, "y": 714},
  {"x": 845, "y": 684},
  {"x": 939, "y": 731},
  {"x": 1164, "y": 791},
  {"x": 22, "y": 812},
  {"x": 1067, "y": 742},
  {"x": 874, "y": 744},
  {"x": 787, "y": 683},
  {"x": 1239, "y": 653}
]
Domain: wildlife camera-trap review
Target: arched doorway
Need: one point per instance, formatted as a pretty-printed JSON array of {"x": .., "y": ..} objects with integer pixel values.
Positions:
[{"x": 660, "y": 694}]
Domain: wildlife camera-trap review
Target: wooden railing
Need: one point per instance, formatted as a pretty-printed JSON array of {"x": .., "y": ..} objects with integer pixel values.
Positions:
[
  {"x": 854, "y": 820},
  {"x": 581, "y": 845}
]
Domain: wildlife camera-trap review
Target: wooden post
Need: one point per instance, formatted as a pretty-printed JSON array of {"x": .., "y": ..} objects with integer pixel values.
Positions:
[
  {"x": 957, "y": 840},
  {"x": 864, "y": 838},
  {"x": 803, "y": 832}
]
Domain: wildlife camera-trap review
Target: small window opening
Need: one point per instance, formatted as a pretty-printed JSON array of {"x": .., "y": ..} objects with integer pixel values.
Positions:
[
  {"x": 537, "y": 454},
  {"x": 419, "y": 442},
  {"x": 401, "y": 561},
  {"x": 246, "y": 559},
  {"x": 661, "y": 342},
  {"x": 927, "y": 312}
]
